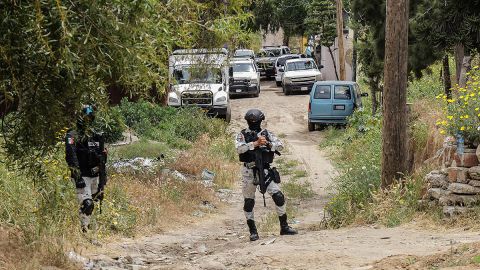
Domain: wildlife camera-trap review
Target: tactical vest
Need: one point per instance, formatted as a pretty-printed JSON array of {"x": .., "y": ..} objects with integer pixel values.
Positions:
[{"x": 249, "y": 156}]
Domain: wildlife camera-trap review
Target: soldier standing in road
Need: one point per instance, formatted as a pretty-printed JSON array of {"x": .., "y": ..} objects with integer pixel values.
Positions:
[
  {"x": 247, "y": 142},
  {"x": 86, "y": 156}
]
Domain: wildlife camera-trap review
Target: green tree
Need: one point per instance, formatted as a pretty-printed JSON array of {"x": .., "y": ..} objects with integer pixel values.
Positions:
[
  {"x": 54, "y": 55},
  {"x": 273, "y": 15},
  {"x": 321, "y": 22}
]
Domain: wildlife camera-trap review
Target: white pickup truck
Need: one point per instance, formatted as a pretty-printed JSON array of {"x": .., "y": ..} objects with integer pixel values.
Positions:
[
  {"x": 300, "y": 75},
  {"x": 200, "y": 77}
]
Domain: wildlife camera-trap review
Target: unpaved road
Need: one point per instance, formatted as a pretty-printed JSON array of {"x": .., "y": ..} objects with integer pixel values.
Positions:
[{"x": 221, "y": 240}]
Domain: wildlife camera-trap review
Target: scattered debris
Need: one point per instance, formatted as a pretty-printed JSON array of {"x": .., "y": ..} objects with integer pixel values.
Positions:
[
  {"x": 179, "y": 176},
  {"x": 207, "y": 178},
  {"x": 198, "y": 213},
  {"x": 208, "y": 206},
  {"x": 186, "y": 246},
  {"x": 202, "y": 248},
  {"x": 269, "y": 242},
  {"x": 136, "y": 164}
]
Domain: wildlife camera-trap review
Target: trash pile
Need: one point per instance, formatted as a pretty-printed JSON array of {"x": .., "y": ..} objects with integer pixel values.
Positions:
[{"x": 137, "y": 164}]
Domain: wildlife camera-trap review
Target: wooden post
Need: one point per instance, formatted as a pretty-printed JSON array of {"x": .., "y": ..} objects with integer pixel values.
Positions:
[
  {"x": 341, "y": 50},
  {"x": 394, "y": 129}
]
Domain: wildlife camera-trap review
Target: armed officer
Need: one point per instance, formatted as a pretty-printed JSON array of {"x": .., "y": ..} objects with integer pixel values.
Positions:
[
  {"x": 86, "y": 156},
  {"x": 254, "y": 144}
]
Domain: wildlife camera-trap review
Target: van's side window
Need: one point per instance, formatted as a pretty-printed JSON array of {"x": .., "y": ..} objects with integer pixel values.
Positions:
[
  {"x": 343, "y": 92},
  {"x": 322, "y": 92}
]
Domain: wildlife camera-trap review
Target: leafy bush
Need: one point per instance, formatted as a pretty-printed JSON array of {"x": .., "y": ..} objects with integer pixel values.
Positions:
[
  {"x": 111, "y": 123},
  {"x": 358, "y": 163},
  {"x": 177, "y": 127},
  {"x": 463, "y": 109},
  {"x": 356, "y": 194}
]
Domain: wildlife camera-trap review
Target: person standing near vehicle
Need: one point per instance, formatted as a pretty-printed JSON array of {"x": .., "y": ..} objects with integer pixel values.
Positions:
[
  {"x": 86, "y": 156},
  {"x": 250, "y": 143}
]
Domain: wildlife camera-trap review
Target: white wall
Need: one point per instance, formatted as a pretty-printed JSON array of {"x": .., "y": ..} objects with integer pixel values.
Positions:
[{"x": 328, "y": 71}]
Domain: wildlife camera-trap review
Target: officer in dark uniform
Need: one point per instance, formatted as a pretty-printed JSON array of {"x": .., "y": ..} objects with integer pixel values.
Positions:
[
  {"x": 247, "y": 141},
  {"x": 86, "y": 156}
]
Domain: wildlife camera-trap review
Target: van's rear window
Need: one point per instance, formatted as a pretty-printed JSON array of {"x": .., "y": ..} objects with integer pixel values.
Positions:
[
  {"x": 343, "y": 92},
  {"x": 322, "y": 92}
]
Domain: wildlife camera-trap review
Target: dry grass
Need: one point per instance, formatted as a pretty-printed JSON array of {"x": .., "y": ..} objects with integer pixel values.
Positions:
[
  {"x": 161, "y": 202},
  {"x": 201, "y": 157},
  {"x": 15, "y": 254},
  {"x": 463, "y": 257},
  {"x": 426, "y": 139}
]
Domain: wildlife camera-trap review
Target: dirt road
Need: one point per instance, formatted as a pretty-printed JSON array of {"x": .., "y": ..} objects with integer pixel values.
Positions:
[{"x": 221, "y": 242}]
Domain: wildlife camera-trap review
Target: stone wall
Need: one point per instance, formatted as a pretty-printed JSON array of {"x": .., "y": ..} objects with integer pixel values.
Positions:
[{"x": 456, "y": 187}]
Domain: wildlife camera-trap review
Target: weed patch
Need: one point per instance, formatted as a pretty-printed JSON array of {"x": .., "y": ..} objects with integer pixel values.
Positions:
[
  {"x": 294, "y": 189},
  {"x": 214, "y": 155},
  {"x": 143, "y": 148},
  {"x": 356, "y": 194}
]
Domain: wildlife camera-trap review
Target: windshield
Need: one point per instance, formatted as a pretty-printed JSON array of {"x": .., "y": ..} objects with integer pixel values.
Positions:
[
  {"x": 264, "y": 54},
  {"x": 281, "y": 61},
  {"x": 243, "y": 53},
  {"x": 301, "y": 65},
  {"x": 195, "y": 74},
  {"x": 275, "y": 52},
  {"x": 243, "y": 67}
]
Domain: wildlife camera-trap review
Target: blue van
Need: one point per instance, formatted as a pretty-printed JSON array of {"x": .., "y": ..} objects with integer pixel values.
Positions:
[{"x": 331, "y": 102}]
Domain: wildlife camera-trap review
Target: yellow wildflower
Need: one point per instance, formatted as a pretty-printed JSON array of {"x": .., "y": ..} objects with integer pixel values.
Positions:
[
  {"x": 462, "y": 128},
  {"x": 450, "y": 117}
]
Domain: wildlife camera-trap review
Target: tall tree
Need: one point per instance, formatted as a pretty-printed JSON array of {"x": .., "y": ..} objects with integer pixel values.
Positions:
[
  {"x": 341, "y": 48},
  {"x": 394, "y": 136},
  {"x": 321, "y": 22},
  {"x": 54, "y": 55},
  {"x": 273, "y": 15}
]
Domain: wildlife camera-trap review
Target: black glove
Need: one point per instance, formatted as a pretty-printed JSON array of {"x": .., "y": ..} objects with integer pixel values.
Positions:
[{"x": 77, "y": 177}]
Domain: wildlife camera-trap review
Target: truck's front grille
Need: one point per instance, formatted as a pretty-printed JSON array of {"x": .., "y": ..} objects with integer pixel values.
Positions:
[
  {"x": 197, "y": 98},
  {"x": 310, "y": 79},
  {"x": 241, "y": 82},
  {"x": 265, "y": 65}
]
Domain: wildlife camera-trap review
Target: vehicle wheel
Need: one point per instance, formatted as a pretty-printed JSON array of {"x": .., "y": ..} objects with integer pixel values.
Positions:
[
  {"x": 278, "y": 83},
  {"x": 257, "y": 93},
  {"x": 228, "y": 115},
  {"x": 286, "y": 91},
  {"x": 311, "y": 126}
]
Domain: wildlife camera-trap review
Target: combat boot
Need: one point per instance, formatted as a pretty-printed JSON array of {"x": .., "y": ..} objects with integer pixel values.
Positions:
[
  {"x": 253, "y": 230},
  {"x": 284, "y": 228}
]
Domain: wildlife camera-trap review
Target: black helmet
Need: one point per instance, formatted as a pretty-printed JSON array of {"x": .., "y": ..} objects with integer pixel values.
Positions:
[
  {"x": 86, "y": 116},
  {"x": 254, "y": 115}
]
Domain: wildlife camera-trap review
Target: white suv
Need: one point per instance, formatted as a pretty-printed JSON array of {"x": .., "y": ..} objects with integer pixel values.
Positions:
[
  {"x": 245, "y": 79},
  {"x": 280, "y": 65},
  {"x": 300, "y": 75}
]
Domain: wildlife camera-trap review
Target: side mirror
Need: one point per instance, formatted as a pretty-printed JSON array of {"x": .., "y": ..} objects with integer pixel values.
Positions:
[
  {"x": 364, "y": 94},
  {"x": 230, "y": 71},
  {"x": 321, "y": 66},
  {"x": 281, "y": 70}
]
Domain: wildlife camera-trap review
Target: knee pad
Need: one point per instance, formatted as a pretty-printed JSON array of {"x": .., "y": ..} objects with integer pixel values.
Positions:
[
  {"x": 87, "y": 207},
  {"x": 278, "y": 198},
  {"x": 248, "y": 205}
]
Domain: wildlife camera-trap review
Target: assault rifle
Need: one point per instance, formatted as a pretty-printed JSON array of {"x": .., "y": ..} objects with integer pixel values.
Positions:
[
  {"x": 263, "y": 158},
  {"x": 102, "y": 177}
]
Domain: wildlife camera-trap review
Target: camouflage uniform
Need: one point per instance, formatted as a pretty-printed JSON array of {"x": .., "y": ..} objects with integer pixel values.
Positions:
[{"x": 248, "y": 187}]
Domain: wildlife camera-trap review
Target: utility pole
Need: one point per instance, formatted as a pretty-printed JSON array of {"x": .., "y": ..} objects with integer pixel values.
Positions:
[
  {"x": 341, "y": 50},
  {"x": 394, "y": 128}
]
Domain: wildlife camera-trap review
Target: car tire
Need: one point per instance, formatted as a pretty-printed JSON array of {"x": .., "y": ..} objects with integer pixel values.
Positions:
[
  {"x": 278, "y": 83},
  {"x": 311, "y": 126},
  {"x": 286, "y": 91},
  {"x": 228, "y": 114},
  {"x": 257, "y": 93}
]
